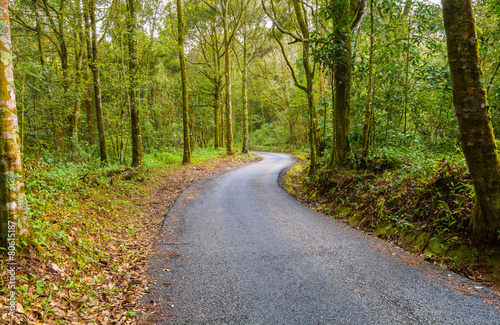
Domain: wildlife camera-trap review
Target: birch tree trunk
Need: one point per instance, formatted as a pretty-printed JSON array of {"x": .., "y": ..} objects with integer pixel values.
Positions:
[
  {"x": 473, "y": 115},
  {"x": 13, "y": 204}
]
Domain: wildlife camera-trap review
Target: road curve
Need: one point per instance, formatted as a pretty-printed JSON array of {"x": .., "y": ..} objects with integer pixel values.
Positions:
[{"x": 252, "y": 254}]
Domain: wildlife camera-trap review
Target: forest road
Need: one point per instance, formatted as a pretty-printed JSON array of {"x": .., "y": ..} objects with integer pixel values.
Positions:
[{"x": 251, "y": 254}]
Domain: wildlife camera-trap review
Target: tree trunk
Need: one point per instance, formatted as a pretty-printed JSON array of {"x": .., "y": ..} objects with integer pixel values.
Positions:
[
  {"x": 13, "y": 211},
  {"x": 227, "y": 64},
  {"x": 78, "y": 75},
  {"x": 135, "y": 120},
  {"x": 244, "y": 91},
  {"x": 365, "y": 140},
  {"x": 97, "y": 85},
  {"x": 186, "y": 157},
  {"x": 473, "y": 115},
  {"x": 217, "y": 97},
  {"x": 313, "y": 120},
  {"x": 342, "y": 67},
  {"x": 39, "y": 33}
]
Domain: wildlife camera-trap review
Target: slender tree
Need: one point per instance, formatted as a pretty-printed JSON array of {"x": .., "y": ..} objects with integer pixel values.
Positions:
[
  {"x": 13, "y": 204},
  {"x": 473, "y": 115},
  {"x": 227, "y": 71},
  {"x": 365, "y": 140},
  {"x": 134, "y": 107},
  {"x": 97, "y": 83},
  {"x": 186, "y": 156}
]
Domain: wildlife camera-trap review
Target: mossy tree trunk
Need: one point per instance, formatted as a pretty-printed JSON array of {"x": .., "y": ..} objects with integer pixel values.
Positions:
[
  {"x": 342, "y": 68},
  {"x": 473, "y": 115},
  {"x": 244, "y": 148},
  {"x": 135, "y": 119},
  {"x": 227, "y": 66},
  {"x": 186, "y": 156},
  {"x": 13, "y": 204}
]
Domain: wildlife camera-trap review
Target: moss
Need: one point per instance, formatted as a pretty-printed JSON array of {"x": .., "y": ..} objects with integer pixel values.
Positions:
[
  {"x": 4, "y": 28},
  {"x": 422, "y": 241},
  {"x": 495, "y": 268},
  {"x": 436, "y": 246},
  {"x": 6, "y": 58},
  {"x": 463, "y": 254},
  {"x": 12, "y": 182}
]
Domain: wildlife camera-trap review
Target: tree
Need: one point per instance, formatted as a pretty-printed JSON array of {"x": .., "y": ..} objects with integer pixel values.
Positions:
[
  {"x": 12, "y": 198},
  {"x": 346, "y": 15},
  {"x": 473, "y": 115},
  {"x": 367, "y": 125},
  {"x": 302, "y": 21},
  {"x": 97, "y": 83},
  {"x": 186, "y": 157},
  {"x": 134, "y": 109}
]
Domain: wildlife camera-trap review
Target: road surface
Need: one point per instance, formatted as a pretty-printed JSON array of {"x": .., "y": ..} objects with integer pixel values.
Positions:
[{"x": 252, "y": 254}]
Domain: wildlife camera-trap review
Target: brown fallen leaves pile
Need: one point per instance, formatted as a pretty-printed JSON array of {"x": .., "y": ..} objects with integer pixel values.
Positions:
[{"x": 98, "y": 278}]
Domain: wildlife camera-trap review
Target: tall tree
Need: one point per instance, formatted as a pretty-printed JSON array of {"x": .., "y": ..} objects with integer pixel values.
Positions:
[
  {"x": 302, "y": 21},
  {"x": 346, "y": 15},
  {"x": 473, "y": 115},
  {"x": 13, "y": 211},
  {"x": 228, "y": 36},
  {"x": 134, "y": 107},
  {"x": 186, "y": 156},
  {"x": 367, "y": 125},
  {"x": 97, "y": 83}
]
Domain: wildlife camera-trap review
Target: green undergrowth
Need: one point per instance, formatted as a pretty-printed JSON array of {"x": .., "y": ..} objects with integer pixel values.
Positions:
[
  {"x": 84, "y": 217},
  {"x": 420, "y": 201}
]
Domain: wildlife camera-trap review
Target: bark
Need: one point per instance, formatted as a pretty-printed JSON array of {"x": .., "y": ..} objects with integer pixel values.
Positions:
[
  {"x": 342, "y": 109},
  {"x": 97, "y": 85},
  {"x": 134, "y": 107},
  {"x": 87, "y": 102},
  {"x": 217, "y": 98},
  {"x": 474, "y": 117},
  {"x": 365, "y": 140},
  {"x": 73, "y": 118},
  {"x": 342, "y": 61},
  {"x": 186, "y": 157},
  {"x": 244, "y": 149},
  {"x": 227, "y": 65},
  {"x": 13, "y": 204}
]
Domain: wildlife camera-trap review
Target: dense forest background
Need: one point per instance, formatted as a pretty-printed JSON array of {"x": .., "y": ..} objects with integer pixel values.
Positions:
[{"x": 410, "y": 93}]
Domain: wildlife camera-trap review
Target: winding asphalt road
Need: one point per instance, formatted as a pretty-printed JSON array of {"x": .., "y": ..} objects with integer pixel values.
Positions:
[{"x": 252, "y": 254}]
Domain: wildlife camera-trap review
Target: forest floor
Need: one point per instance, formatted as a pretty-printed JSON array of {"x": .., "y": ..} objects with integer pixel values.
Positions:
[
  {"x": 425, "y": 213},
  {"x": 85, "y": 261}
]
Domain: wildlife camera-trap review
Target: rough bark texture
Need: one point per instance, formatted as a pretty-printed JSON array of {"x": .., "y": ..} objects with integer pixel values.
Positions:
[
  {"x": 186, "y": 157},
  {"x": 135, "y": 120},
  {"x": 473, "y": 115},
  {"x": 227, "y": 65},
  {"x": 342, "y": 63},
  {"x": 13, "y": 204},
  {"x": 97, "y": 85}
]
